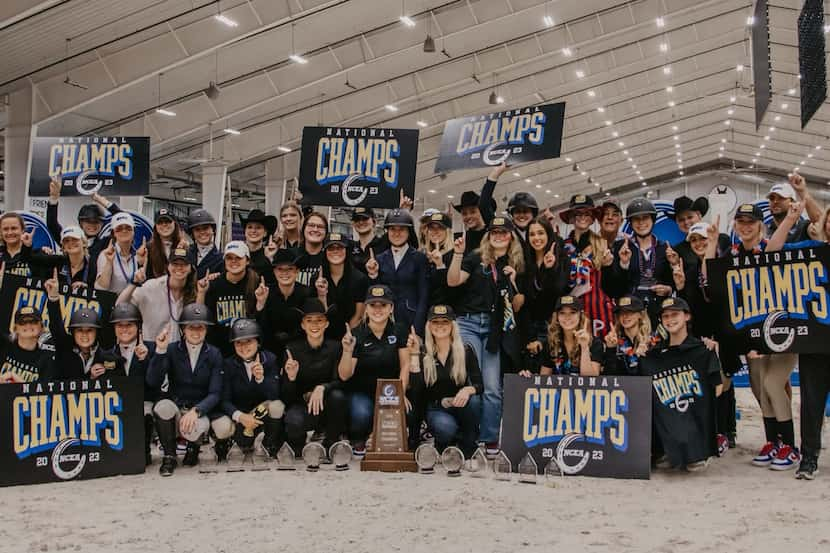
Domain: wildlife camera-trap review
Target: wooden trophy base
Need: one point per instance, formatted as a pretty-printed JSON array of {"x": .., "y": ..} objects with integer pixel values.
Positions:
[{"x": 389, "y": 462}]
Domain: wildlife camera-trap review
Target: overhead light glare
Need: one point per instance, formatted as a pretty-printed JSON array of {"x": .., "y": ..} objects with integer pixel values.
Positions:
[
  {"x": 408, "y": 21},
  {"x": 166, "y": 112},
  {"x": 296, "y": 58},
  {"x": 391, "y": 107},
  {"x": 284, "y": 149},
  {"x": 233, "y": 131},
  {"x": 221, "y": 18}
]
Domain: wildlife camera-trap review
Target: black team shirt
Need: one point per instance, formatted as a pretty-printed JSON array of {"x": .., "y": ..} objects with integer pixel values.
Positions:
[
  {"x": 683, "y": 382},
  {"x": 317, "y": 366}
]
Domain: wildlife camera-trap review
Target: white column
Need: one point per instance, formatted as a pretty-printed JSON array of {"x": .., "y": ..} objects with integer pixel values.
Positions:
[
  {"x": 132, "y": 203},
  {"x": 274, "y": 187},
  {"x": 18, "y": 148},
  {"x": 214, "y": 174}
]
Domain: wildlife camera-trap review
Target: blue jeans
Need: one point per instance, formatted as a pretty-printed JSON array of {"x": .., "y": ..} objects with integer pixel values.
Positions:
[
  {"x": 361, "y": 413},
  {"x": 475, "y": 328},
  {"x": 445, "y": 424}
]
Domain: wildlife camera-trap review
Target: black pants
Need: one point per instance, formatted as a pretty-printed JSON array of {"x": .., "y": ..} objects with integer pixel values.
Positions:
[
  {"x": 333, "y": 420},
  {"x": 814, "y": 381}
]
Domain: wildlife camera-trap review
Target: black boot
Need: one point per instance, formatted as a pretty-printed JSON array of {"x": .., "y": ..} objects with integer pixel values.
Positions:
[
  {"x": 167, "y": 438},
  {"x": 221, "y": 447},
  {"x": 148, "y": 437},
  {"x": 191, "y": 456},
  {"x": 274, "y": 436}
]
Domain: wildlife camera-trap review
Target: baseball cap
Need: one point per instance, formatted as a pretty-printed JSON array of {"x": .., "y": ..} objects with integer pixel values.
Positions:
[
  {"x": 782, "y": 189},
  {"x": 72, "y": 232},
  {"x": 441, "y": 311},
  {"x": 701, "y": 229},
  {"x": 501, "y": 223},
  {"x": 674, "y": 304},
  {"x": 334, "y": 238},
  {"x": 380, "y": 294},
  {"x": 749, "y": 210},
  {"x": 178, "y": 254},
  {"x": 237, "y": 248},
  {"x": 122, "y": 218},
  {"x": 27, "y": 314},
  {"x": 363, "y": 213},
  {"x": 629, "y": 303},
  {"x": 568, "y": 301}
]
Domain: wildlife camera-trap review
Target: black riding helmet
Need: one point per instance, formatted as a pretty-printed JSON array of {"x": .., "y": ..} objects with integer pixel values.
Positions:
[
  {"x": 196, "y": 313},
  {"x": 399, "y": 218},
  {"x": 523, "y": 199},
  {"x": 125, "y": 313},
  {"x": 244, "y": 329},
  {"x": 640, "y": 206},
  {"x": 200, "y": 217},
  {"x": 84, "y": 318},
  {"x": 90, "y": 212}
]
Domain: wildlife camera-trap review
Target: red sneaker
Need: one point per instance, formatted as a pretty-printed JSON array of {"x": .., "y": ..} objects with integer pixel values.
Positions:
[
  {"x": 766, "y": 455},
  {"x": 788, "y": 458},
  {"x": 723, "y": 445}
]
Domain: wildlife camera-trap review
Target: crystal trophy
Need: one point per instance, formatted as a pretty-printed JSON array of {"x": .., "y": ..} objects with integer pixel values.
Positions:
[
  {"x": 478, "y": 463},
  {"x": 426, "y": 456},
  {"x": 453, "y": 460},
  {"x": 502, "y": 468},
  {"x": 528, "y": 469},
  {"x": 313, "y": 452},
  {"x": 285, "y": 458},
  {"x": 341, "y": 453}
]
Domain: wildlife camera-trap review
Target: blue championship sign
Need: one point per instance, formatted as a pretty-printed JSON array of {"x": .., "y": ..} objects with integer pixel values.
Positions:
[
  {"x": 350, "y": 167},
  {"x": 774, "y": 302},
  {"x": 589, "y": 426},
  {"x": 66, "y": 430},
  {"x": 512, "y": 136},
  {"x": 109, "y": 165}
]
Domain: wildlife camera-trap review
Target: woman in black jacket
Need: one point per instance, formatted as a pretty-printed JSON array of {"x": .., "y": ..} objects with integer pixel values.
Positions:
[
  {"x": 74, "y": 265},
  {"x": 438, "y": 246},
  {"x": 21, "y": 357},
  {"x": 250, "y": 395},
  {"x": 629, "y": 339},
  {"x": 452, "y": 382}
]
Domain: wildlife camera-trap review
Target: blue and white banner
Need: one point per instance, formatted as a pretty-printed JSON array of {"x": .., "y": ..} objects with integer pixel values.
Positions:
[{"x": 510, "y": 136}]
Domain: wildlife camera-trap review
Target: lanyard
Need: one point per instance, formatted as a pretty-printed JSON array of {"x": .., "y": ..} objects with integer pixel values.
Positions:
[
  {"x": 170, "y": 301},
  {"x": 128, "y": 279}
]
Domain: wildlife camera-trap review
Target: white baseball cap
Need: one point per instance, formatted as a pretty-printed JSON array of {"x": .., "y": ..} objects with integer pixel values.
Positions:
[
  {"x": 782, "y": 189},
  {"x": 237, "y": 248},
  {"x": 72, "y": 232},
  {"x": 701, "y": 229},
  {"x": 122, "y": 218}
]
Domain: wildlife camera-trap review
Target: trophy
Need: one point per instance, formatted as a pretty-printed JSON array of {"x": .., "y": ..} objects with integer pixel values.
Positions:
[
  {"x": 553, "y": 473},
  {"x": 285, "y": 458},
  {"x": 502, "y": 468},
  {"x": 426, "y": 456},
  {"x": 453, "y": 460},
  {"x": 313, "y": 452},
  {"x": 478, "y": 463},
  {"x": 259, "y": 413},
  {"x": 528, "y": 469},
  {"x": 341, "y": 453}
]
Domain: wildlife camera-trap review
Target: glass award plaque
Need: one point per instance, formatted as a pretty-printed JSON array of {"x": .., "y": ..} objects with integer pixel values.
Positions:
[
  {"x": 453, "y": 460},
  {"x": 502, "y": 467},
  {"x": 340, "y": 454},
  {"x": 313, "y": 453},
  {"x": 285, "y": 458},
  {"x": 528, "y": 469},
  {"x": 478, "y": 464},
  {"x": 426, "y": 456}
]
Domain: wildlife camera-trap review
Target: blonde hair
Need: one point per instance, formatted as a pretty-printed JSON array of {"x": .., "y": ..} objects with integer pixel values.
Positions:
[
  {"x": 598, "y": 248},
  {"x": 556, "y": 337},
  {"x": 515, "y": 253},
  {"x": 643, "y": 331},
  {"x": 444, "y": 246},
  {"x": 458, "y": 371}
]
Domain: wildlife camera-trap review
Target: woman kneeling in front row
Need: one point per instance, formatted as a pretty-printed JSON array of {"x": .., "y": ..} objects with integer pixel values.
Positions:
[
  {"x": 250, "y": 395},
  {"x": 452, "y": 381},
  {"x": 194, "y": 372}
]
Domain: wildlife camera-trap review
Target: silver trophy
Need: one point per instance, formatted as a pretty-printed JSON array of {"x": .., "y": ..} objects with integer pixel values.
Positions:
[
  {"x": 285, "y": 458},
  {"x": 528, "y": 469},
  {"x": 426, "y": 457},
  {"x": 502, "y": 467},
  {"x": 341, "y": 453},
  {"x": 453, "y": 459},
  {"x": 478, "y": 464},
  {"x": 313, "y": 452}
]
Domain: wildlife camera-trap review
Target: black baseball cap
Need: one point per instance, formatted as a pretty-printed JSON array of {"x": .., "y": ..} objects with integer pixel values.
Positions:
[
  {"x": 27, "y": 314},
  {"x": 674, "y": 304},
  {"x": 501, "y": 223},
  {"x": 164, "y": 213},
  {"x": 363, "y": 213},
  {"x": 380, "y": 293},
  {"x": 284, "y": 257},
  {"x": 752, "y": 211},
  {"x": 179, "y": 254},
  {"x": 438, "y": 218},
  {"x": 629, "y": 303},
  {"x": 441, "y": 311},
  {"x": 568, "y": 301},
  {"x": 335, "y": 238}
]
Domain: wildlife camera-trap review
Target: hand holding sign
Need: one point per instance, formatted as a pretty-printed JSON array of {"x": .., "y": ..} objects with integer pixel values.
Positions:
[
  {"x": 55, "y": 187},
  {"x": 497, "y": 171},
  {"x": 372, "y": 267}
]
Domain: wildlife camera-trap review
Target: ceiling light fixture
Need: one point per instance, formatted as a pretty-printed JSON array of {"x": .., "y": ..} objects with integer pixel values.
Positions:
[
  {"x": 391, "y": 107},
  {"x": 580, "y": 73},
  {"x": 284, "y": 149},
  {"x": 660, "y": 22},
  {"x": 226, "y": 20},
  {"x": 591, "y": 93},
  {"x": 422, "y": 123},
  {"x": 406, "y": 20},
  {"x": 567, "y": 52},
  {"x": 233, "y": 131},
  {"x": 166, "y": 112}
]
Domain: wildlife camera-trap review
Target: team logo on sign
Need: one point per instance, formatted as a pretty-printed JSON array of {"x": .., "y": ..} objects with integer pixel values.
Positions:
[
  {"x": 565, "y": 451},
  {"x": 778, "y": 337},
  {"x": 388, "y": 395},
  {"x": 67, "y": 466}
]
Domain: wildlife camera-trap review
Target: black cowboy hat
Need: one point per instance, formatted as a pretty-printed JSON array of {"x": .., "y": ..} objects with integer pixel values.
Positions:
[
  {"x": 685, "y": 203},
  {"x": 471, "y": 199},
  {"x": 580, "y": 202},
  {"x": 259, "y": 216}
]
